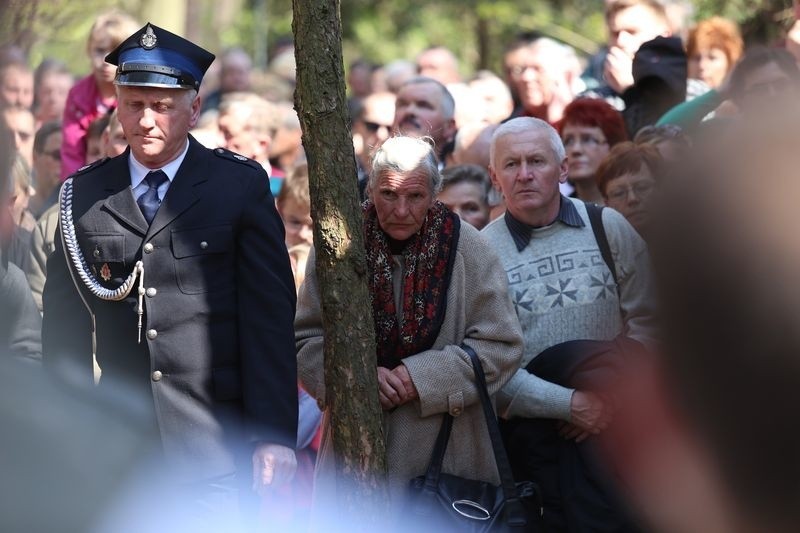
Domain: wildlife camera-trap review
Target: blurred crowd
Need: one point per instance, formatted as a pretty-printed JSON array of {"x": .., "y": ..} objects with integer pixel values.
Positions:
[{"x": 664, "y": 90}]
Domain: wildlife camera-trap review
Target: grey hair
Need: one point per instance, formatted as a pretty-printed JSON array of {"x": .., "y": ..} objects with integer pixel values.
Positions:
[
  {"x": 402, "y": 154},
  {"x": 520, "y": 125},
  {"x": 448, "y": 102}
]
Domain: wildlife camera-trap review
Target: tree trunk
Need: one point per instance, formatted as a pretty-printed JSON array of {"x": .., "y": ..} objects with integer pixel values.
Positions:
[{"x": 350, "y": 361}]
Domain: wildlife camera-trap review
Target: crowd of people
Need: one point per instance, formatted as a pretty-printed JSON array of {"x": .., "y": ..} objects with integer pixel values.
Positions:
[{"x": 157, "y": 248}]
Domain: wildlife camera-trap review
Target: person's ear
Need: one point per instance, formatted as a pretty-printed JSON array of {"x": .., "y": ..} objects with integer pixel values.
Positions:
[{"x": 563, "y": 171}]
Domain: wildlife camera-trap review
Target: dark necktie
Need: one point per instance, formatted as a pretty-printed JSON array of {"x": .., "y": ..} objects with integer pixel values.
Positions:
[{"x": 149, "y": 201}]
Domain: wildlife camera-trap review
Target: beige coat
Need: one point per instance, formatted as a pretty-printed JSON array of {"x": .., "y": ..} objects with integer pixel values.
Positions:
[{"x": 480, "y": 313}]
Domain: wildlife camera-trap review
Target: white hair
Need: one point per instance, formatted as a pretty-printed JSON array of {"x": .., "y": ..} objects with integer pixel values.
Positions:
[
  {"x": 520, "y": 125},
  {"x": 404, "y": 154}
]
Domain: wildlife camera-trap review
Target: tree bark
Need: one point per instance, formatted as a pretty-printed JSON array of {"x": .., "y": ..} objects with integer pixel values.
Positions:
[{"x": 350, "y": 361}]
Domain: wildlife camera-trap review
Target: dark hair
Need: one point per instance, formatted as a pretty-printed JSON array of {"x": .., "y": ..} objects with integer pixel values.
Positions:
[
  {"x": 654, "y": 135},
  {"x": 98, "y": 125},
  {"x": 43, "y": 133},
  {"x": 625, "y": 158},
  {"x": 756, "y": 57},
  {"x": 595, "y": 113},
  {"x": 523, "y": 39},
  {"x": 467, "y": 174}
]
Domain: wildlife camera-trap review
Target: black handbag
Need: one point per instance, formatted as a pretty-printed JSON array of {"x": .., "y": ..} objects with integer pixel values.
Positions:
[{"x": 443, "y": 502}]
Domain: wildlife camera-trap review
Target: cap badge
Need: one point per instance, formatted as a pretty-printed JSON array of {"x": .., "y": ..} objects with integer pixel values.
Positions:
[{"x": 148, "y": 39}]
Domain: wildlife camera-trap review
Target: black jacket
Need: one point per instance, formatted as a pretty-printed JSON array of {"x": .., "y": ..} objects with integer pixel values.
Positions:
[
  {"x": 578, "y": 490},
  {"x": 217, "y": 358}
]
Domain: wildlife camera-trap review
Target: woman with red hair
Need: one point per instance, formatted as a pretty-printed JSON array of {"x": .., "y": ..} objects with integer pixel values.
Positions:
[
  {"x": 589, "y": 129},
  {"x": 627, "y": 178},
  {"x": 713, "y": 48}
]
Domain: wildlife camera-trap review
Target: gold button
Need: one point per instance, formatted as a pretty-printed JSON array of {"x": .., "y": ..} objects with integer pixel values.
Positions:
[
  {"x": 150, "y": 292},
  {"x": 152, "y": 334},
  {"x": 157, "y": 375},
  {"x": 456, "y": 411},
  {"x": 203, "y": 245},
  {"x": 148, "y": 248}
]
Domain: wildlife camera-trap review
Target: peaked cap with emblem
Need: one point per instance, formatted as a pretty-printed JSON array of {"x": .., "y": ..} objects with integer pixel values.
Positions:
[{"x": 154, "y": 57}]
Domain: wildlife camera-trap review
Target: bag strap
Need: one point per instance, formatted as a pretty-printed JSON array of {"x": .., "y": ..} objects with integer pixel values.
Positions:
[
  {"x": 500, "y": 456},
  {"x": 595, "y": 213},
  {"x": 437, "y": 458},
  {"x": 515, "y": 512}
]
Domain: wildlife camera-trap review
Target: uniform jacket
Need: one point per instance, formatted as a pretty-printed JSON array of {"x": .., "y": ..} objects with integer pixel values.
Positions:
[
  {"x": 479, "y": 313},
  {"x": 216, "y": 358}
]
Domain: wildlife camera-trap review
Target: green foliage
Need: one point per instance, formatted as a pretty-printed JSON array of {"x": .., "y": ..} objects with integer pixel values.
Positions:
[{"x": 377, "y": 30}]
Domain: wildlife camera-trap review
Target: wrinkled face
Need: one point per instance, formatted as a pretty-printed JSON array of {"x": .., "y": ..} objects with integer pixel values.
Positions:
[
  {"x": 156, "y": 122},
  {"x": 532, "y": 76},
  {"x": 629, "y": 28},
  {"x": 630, "y": 194},
  {"x": 401, "y": 202},
  {"x": 468, "y": 201},
  {"x": 297, "y": 221},
  {"x": 527, "y": 171},
  {"x": 100, "y": 46},
  {"x": 47, "y": 164},
  {"x": 52, "y": 96},
  {"x": 586, "y": 147},
  {"x": 710, "y": 65},
  {"x": 418, "y": 112},
  {"x": 16, "y": 88}
]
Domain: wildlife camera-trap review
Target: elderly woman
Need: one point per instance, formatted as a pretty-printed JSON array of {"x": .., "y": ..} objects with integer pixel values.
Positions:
[
  {"x": 627, "y": 179},
  {"x": 435, "y": 284}
]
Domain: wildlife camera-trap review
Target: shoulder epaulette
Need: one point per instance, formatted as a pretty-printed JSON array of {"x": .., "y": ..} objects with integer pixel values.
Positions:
[
  {"x": 233, "y": 156},
  {"x": 86, "y": 168}
]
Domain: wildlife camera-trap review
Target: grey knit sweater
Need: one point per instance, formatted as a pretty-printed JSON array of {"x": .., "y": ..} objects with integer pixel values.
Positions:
[{"x": 562, "y": 290}]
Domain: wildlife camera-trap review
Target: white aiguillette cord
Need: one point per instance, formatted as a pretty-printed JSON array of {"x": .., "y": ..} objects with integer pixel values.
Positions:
[{"x": 73, "y": 250}]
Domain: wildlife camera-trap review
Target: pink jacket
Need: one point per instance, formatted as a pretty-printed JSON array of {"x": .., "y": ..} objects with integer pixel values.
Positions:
[{"x": 84, "y": 105}]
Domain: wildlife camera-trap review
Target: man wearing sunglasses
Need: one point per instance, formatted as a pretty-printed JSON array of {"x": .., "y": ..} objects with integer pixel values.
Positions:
[{"x": 371, "y": 126}]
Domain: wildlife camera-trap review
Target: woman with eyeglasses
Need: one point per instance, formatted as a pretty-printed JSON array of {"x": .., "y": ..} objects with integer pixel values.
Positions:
[
  {"x": 589, "y": 129},
  {"x": 627, "y": 179}
]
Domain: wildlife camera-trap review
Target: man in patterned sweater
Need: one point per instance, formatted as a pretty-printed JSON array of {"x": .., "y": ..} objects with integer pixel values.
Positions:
[
  {"x": 563, "y": 290},
  {"x": 560, "y": 285}
]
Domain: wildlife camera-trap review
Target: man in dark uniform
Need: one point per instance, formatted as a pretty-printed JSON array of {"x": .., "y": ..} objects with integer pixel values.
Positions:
[{"x": 189, "y": 240}]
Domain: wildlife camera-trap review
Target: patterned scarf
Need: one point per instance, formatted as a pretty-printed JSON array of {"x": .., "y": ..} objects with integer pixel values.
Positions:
[{"x": 427, "y": 268}]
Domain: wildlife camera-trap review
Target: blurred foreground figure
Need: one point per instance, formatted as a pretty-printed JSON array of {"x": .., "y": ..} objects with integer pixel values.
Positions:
[{"x": 709, "y": 441}]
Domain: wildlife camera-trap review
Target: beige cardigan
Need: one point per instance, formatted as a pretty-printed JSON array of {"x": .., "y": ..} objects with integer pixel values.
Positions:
[{"x": 480, "y": 313}]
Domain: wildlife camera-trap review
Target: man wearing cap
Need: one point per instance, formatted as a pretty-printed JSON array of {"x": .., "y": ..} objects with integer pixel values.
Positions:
[{"x": 174, "y": 255}]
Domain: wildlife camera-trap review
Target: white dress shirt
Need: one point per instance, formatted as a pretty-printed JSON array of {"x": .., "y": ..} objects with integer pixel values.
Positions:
[{"x": 138, "y": 172}]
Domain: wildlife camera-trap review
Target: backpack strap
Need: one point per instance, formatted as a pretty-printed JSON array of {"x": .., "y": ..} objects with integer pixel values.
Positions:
[{"x": 595, "y": 213}]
